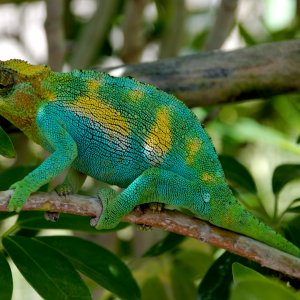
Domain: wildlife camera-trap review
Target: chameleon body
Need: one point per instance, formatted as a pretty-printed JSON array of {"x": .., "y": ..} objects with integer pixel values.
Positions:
[{"x": 125, "y": 133}]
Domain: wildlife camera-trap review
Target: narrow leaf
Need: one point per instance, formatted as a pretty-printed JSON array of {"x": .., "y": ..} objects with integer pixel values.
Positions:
[
  {"x": 182, "y": 285},
  {"x": 5, "y": 215},
  {"x": 171, "y": 241},
  {"x": 241, "y": 272},
  {"x": 284, "y": 174},
  {"x": 49, "y": 272},
  {"x": 246, "y": 35},
  {"x": 237, "y": 173},
  {"x": 295, "y": 209},
  {"x": 217, "y": 281},
  {"x": 292, "y": 231},
  {"x": 6, "y": 283},
  {"x": 153, "y": 288},
  {"x": 11, "y": 175},
  {"x": 247, "y": 130},
  {"x": 98, "y": 264},
  {"x": 6, "y": 146},
  {"x": 249, "y": 284}
]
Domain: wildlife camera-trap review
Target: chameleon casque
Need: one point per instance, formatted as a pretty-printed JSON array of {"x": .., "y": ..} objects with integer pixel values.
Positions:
[{"x": 125, "y": 133}]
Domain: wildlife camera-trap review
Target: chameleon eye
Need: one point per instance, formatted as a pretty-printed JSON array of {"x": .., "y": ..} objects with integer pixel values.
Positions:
[{"x": 7, "y": 80}]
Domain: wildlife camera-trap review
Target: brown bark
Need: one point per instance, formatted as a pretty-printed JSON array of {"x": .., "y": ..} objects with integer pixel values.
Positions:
[
  {"x": 220, "y": 77},
  {"x": 171, "y": 221}
]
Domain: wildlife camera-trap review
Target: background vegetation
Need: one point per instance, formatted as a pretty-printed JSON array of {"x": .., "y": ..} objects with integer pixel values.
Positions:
[{"x": 257, "y": 141}]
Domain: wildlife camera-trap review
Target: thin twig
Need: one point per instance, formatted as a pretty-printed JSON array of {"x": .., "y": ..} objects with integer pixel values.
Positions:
[
  {"x": 224, "y": 23},
  {"x": 54, "y": 27},
  {"x": 93, "y": 34},
  {"x": 174, "y": 16},
  {"x": 133, "y": 30},
  {"x": 171, "y": 221}
]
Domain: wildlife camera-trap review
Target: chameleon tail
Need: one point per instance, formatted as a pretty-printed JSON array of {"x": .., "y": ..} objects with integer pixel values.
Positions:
[{"x": 238, "y": 219}]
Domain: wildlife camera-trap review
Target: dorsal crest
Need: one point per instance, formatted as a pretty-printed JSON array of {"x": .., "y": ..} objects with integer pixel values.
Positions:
[{"x": 24, "y": 68}]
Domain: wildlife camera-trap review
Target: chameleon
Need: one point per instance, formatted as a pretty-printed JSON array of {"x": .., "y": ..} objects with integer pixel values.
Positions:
[{"x": 125, "y": 133}]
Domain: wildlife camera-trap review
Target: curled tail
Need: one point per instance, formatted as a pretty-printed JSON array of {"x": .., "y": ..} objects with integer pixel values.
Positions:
[{"x": 232, "y": 216}]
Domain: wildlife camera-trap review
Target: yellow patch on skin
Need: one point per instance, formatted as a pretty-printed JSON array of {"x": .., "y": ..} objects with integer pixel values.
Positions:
[
  {"x": 93, "y": 85},
  {"x": 158, "y": 142},
  {"x": 207, "y": 177},
  {"x": 193, "y": 147},
  {"x": 50, "y": 96},
  {"x": 107, "y": 116},
  {"x": 136, "y": 95}
]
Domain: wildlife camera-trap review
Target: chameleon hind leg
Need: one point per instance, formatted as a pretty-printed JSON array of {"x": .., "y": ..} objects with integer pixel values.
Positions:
[{"x": 153, "y": 185}]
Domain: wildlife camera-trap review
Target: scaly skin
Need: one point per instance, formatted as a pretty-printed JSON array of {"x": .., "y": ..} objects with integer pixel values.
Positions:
[{"x": 125, "y": 133}]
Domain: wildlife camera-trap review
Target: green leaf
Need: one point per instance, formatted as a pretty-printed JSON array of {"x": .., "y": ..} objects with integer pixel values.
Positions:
[
  {"x": 292, "y": 231},
  {"x": 284, "y": 174},
  {"x": 249, "y": 284},
  {"x": 216, "y": 283},
  {"x": 182, "y": 285},
  {"x": 6, "y": 283},
  {"x": 11, "y": 175},
  {"x": 171, "y": 241},
  {"x": 241, "y": 272},
  {"x": 36, "y": 220},
  {"x": 237, "y": 174},
  {"x": 294, "y": 209},
  {"x": 49, "y": 272},
  {"x": 5, "y": 215},
  {"x": 153, "y": 288},
  {"x": 247, "y": 130},
  {"x": 6, "y": 146},
  {"x": 193, "y": 262},
  {"x": 98, "y": 264},
  {"x": 246, "y": 35}
]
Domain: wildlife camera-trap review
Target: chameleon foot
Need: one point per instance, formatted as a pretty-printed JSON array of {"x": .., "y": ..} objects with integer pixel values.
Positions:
[
  {"x": 156, "y": 206},
  {"x": 19, "y": 196},
  {"x": 108, "y": 218},
  {"x": 63, "y": 189},
  {"x": 51, "y": 216}
]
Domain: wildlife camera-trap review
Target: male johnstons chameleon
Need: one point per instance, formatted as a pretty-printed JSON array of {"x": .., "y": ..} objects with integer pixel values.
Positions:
[{"x": 125, "y": 133}]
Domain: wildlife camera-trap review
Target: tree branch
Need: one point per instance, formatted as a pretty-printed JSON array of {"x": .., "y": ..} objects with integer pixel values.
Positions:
[
  {"x": 171, "y": 221},
  {"x": 220, "y": 77}
]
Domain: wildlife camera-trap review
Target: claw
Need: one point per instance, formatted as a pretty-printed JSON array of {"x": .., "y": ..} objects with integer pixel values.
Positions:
[
  {"x": 18, "y": 198},
  {"x": 94, "y": 221},
  {"x": 51, "y": 216},
  {"x": 63, "y": 189}
]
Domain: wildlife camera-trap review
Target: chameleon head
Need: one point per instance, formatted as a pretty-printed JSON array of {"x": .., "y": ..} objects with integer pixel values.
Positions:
[{"x": 20, "y": 92}]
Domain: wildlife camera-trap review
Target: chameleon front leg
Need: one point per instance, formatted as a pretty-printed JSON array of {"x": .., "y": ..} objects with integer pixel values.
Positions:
[
  {"x": 65, "y": 151},
  {"x": 153, "y": 185}
]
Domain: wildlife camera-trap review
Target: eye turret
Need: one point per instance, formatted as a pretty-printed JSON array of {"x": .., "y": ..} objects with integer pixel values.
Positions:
[{"x": 7, "y": 80}]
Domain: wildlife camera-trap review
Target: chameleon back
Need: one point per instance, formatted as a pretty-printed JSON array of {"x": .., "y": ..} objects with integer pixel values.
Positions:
[{"x": 128, "y": 127}]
